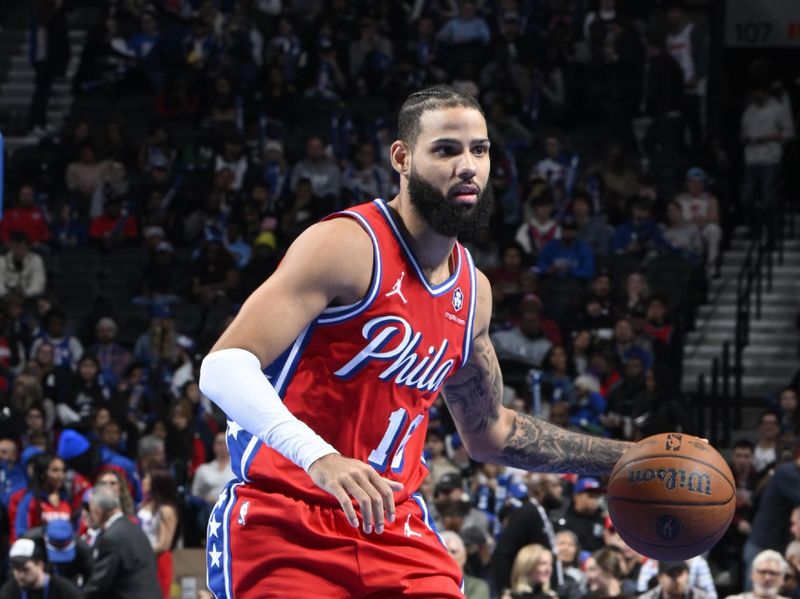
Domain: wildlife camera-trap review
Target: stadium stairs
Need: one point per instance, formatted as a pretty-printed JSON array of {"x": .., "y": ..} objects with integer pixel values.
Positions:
[
  {"x": 17, "y": 81},
  {"x": 770, "y": 360}
]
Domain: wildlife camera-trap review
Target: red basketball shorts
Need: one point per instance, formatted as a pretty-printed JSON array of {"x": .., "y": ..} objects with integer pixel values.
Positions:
[{"x": 269, "y": 546}]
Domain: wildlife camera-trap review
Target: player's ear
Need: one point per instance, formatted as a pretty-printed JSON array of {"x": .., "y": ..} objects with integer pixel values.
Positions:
[{"x": 401, "y": 157}]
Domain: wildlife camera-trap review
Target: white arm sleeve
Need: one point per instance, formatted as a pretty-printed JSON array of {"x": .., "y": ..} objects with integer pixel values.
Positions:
[{"x": 233, "y": 379}]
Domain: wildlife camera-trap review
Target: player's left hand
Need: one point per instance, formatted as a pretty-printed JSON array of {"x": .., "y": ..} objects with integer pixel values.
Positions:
[{"x": 345, "y": 478}]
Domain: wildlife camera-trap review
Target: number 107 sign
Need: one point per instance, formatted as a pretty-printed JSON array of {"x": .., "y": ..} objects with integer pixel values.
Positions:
[{"x": 762, "y": 23}]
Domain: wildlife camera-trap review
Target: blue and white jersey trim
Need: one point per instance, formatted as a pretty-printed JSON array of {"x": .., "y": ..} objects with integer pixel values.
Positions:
[
  {"x": 473, "y": 298},
  {"x": 341, "y": 313},
  {"x": 435, "y": 290}
]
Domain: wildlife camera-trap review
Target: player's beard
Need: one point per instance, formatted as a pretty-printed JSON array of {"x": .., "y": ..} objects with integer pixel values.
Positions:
[{"x": 444, "y": 213}]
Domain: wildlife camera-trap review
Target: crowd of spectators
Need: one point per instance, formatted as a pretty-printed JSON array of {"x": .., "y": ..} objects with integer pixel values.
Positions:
[{"x": 207, "y": 135}]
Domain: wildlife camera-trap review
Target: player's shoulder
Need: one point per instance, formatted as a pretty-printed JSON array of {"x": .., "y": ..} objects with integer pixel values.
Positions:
[
  {"x": 333, "y": 239},
  {"x": 335, "y": 255}
]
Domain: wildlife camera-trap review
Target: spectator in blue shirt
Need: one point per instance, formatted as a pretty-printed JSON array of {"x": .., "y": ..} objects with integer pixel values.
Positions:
[
  {"x": 567, "y": 256},
  {"x": 466, "y": 28},
  {"x": 639, "y": 236},
  {"x": 12, "y": 474}
]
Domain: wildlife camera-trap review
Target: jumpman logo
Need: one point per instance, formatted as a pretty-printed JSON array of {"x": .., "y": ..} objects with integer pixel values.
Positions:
[
  {"x": 407, "y": 529},
  {"x": 396, "y": 288}
]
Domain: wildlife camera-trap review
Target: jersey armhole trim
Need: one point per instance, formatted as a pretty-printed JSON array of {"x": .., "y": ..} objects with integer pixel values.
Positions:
[
  {"x": 473, "y": 295},
  {"x": 337, "y": 314}
]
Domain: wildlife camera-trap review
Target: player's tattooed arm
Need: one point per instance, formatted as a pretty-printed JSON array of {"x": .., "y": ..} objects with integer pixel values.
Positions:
[{"x": 493, "y": 433}]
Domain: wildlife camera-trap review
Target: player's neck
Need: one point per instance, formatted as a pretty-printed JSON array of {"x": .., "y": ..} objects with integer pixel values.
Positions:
[{"x": 431, "y": 249}]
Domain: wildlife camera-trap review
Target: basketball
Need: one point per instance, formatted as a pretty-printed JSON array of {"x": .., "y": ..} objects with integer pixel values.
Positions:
[{"x": 671, "y": 496}]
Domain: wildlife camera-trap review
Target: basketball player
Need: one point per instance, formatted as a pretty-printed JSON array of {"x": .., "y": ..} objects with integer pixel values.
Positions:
[{"x": 371, "y": 314}]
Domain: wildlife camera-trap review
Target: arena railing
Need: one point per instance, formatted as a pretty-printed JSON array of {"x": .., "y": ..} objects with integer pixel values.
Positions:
[{"x": 719, "y": 394}]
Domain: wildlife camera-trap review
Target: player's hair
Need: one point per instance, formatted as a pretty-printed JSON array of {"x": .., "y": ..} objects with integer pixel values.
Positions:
[
  {"x": 437, "y": 97},
  {"x": 526, "y": 560}
]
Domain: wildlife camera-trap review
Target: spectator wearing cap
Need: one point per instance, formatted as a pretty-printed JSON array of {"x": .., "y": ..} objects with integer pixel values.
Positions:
[
  {"x": 112, "y": 357},
  {"x": 30, "y": 580},
  {"x": 67, "y": 555},
  {"x": 701, "y": 208},
  {"x": 125, "y": 566},
  {"x": 592, "y": 229},
  {"x": 21, "y": 269},
  {"x": 474, "y": 588},
  {"x": 567, "y": 256},
  {"x": 25, "y": 216},
  {"x": 673, "y": 583},
  {"x": 584, "y": 516},
  {"x": 699, "y": 578},
  {"x": 540, "y": 227}
]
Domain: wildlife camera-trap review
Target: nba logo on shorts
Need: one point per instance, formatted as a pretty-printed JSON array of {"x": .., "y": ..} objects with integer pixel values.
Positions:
[
  {"x": 458, "y": 299},
  {"x": 243, "y": 513}
]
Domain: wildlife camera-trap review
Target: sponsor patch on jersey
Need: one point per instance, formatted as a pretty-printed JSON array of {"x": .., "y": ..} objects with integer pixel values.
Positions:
[{"x": 458, "y": 299}]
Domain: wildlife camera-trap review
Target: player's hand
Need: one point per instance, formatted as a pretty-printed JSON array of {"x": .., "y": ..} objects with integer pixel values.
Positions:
[{"x": 345, "y": 478}]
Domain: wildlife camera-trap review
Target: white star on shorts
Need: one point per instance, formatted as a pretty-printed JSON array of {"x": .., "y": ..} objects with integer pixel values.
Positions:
[
  {"x": 215, "y": 555},
  {"x": 213, "y": 526},
  {"x": 233, "y": 429}
]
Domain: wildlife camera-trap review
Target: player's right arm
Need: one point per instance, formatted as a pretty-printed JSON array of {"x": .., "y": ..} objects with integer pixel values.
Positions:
[{"x": 331, "y": 262}]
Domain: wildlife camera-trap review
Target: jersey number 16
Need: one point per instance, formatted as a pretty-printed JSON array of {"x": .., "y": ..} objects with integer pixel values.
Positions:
[{"x": 379, "y": 457}]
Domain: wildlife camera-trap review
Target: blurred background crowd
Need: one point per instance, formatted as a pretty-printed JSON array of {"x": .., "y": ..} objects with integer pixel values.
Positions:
[{"x": 205, "y": 135}]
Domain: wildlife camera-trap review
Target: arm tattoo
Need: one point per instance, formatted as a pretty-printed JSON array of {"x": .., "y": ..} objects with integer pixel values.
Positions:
[
  {"x": 475, "y": 392},
  {"x": 474, "y": 395},
  {"x": 534, "y": 444}
]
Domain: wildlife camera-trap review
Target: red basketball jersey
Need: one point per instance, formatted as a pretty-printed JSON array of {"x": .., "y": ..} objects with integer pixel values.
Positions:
[{"x": 363, "y": 376}]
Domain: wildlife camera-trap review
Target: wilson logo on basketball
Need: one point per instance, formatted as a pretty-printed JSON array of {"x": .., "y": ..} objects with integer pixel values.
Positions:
[{"x": 694, "y": 481}]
